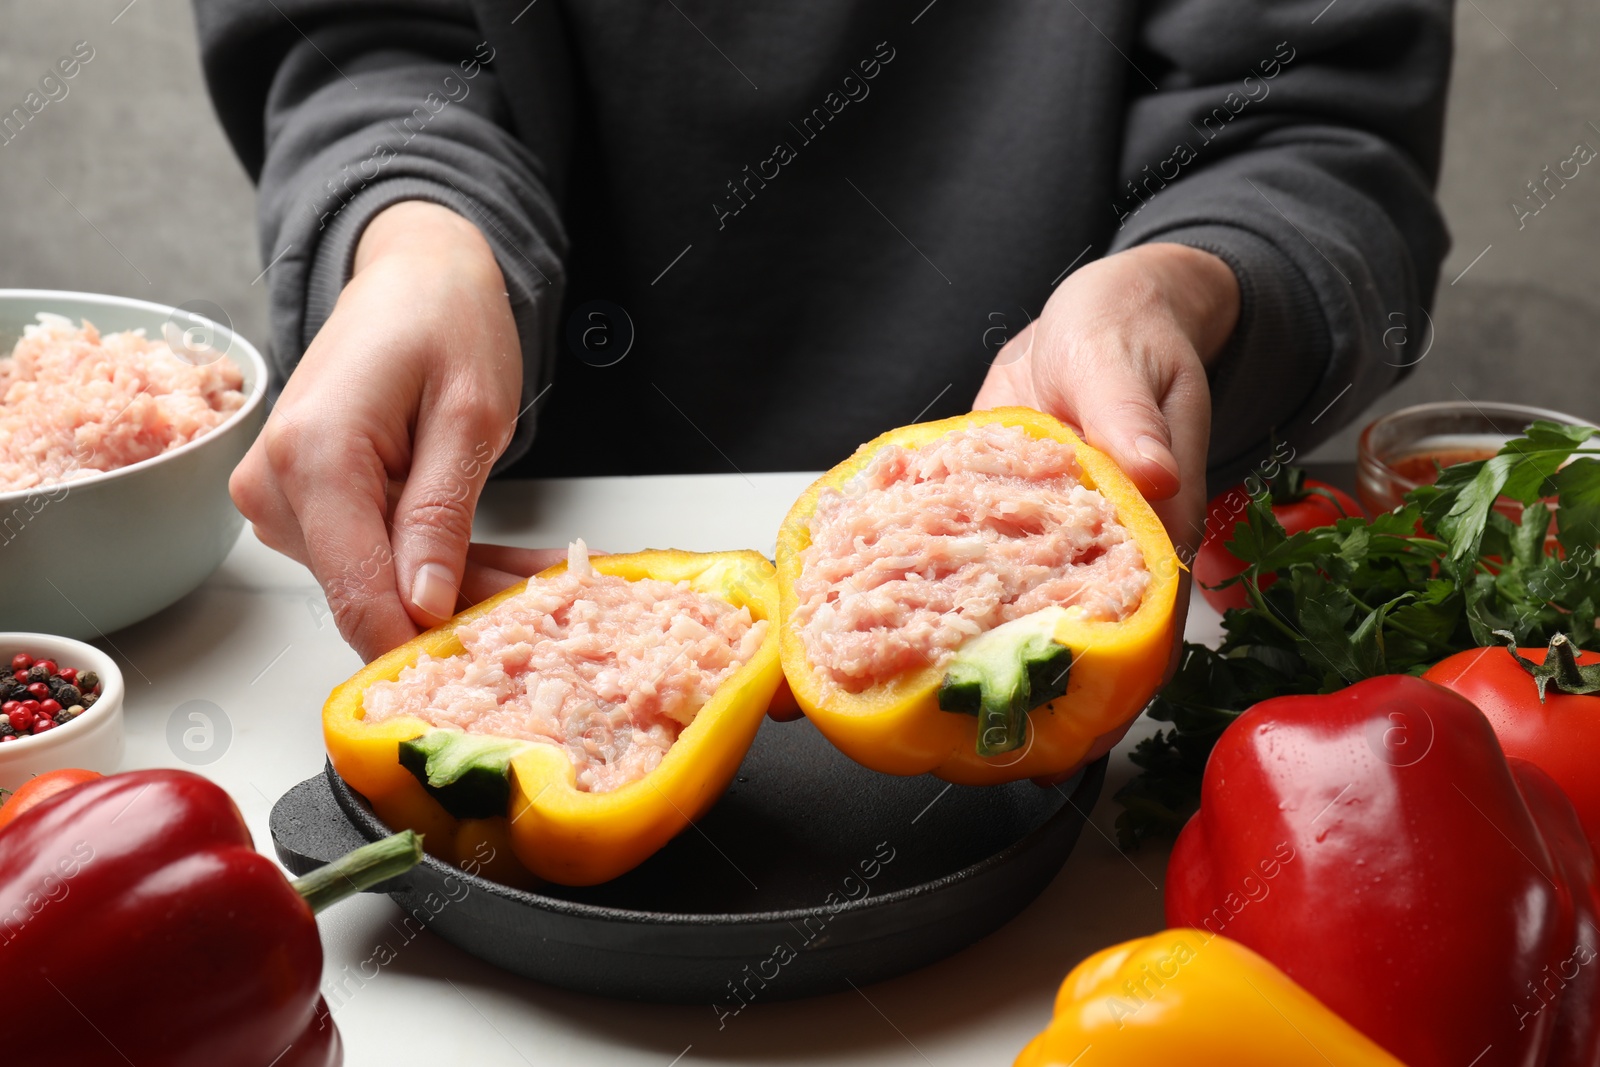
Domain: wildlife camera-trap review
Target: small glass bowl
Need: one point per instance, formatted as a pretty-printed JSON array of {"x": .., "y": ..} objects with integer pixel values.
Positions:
[{"x": 1397, "y": 451}]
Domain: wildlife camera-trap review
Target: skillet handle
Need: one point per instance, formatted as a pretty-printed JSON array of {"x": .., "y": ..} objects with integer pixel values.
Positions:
[{"x": 309, "y": 829}]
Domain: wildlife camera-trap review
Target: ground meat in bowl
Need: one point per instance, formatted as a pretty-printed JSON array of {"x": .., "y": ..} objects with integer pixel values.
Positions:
[
  {"x": 608, "y": 669},
  {"x": 926, "y": 548},
  {"x": 74, "y": 402}
]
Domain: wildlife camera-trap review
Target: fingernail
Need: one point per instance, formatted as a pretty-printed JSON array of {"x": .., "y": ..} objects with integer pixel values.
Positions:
[
  {"x": 433, "y": 590},
  {"x": 1153, "y": 450}
]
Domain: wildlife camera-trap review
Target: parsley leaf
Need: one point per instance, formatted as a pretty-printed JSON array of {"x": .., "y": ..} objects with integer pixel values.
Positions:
[{"x": 1461, "y": 560}]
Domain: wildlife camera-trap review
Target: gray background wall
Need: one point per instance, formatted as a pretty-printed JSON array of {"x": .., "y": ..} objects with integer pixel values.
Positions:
[
  {"x": 127, "y": 186},
  {"x": 148, "y": 200}
]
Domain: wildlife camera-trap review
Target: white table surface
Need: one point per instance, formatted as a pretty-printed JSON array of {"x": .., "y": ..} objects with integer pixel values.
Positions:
[{"x": 256, "y": 646}]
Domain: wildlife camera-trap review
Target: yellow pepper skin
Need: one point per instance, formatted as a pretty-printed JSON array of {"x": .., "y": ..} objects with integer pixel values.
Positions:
[
  {"x": 1189, "y": 997},
  {"x": 897, "y": 727},
  {"x": 551, "y": 828}
]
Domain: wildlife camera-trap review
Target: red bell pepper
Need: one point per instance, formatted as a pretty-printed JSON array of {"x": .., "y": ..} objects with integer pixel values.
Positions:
[
  {"x": 138, "y": 925},
  {"x": 1571, "y": 988},
  {"x": 1543, "y": 707},
  {"x": 1377, "y": 846}
]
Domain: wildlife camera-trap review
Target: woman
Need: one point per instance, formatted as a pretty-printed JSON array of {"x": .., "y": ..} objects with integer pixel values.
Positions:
[{"x": 592, "y": 236}]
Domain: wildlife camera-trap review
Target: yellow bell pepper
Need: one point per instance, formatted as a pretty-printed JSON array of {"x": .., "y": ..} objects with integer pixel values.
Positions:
[
  {"x": 1186, "y": 996},
  {"x": 1111, "y": 669},
  {"x": 516, "y": 805}
]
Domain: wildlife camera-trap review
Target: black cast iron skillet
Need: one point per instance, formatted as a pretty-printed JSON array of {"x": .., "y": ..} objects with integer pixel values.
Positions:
[{"x": 810, "y": 874}]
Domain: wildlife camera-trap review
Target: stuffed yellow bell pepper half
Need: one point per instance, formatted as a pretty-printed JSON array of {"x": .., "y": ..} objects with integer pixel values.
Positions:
[
  {"x": 1186, "y": 996},
  {"x": 923, "y": 523},
  {"x": 509, "y": 805}
]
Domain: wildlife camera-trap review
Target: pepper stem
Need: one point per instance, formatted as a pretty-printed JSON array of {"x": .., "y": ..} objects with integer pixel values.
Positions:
[
  {"x": 1002, "y": 674},
  {"x": 1003, "y": 716},
  {"x": 360, "y": 870},
  {"x": 1560, "y": 667},
  {"x": 1568, "y": 674}
]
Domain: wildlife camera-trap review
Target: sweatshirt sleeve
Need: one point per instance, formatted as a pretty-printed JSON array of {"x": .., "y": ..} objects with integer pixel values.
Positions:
[
  {"x": 339, "y": 109},
  {"x": 1299, "y": 142}
]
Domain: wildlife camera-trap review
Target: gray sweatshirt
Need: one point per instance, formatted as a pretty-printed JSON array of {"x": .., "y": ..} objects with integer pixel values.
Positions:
[{"x": 751, "y": 236}]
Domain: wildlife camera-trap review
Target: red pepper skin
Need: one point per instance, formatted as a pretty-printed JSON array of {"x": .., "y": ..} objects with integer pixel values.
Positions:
[
  {"x": 146, "y": 929},
  {"x": 1571, "y": 987},
  {"x": 1374, "y": 844},
  {"x": 1562, "y": 735}
]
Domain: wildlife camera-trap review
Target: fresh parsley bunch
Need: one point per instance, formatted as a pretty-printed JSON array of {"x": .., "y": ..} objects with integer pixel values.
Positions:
[{"x": 1390, "y": 595}]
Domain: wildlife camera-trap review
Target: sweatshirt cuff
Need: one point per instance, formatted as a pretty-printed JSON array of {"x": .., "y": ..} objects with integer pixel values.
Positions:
[
  {"x": 532, "y": 298},
  {"x": 1279, "y": 353}
]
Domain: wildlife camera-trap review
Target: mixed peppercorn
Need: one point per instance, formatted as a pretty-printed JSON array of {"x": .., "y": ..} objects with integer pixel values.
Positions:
[{"x": 37, "y": 696}]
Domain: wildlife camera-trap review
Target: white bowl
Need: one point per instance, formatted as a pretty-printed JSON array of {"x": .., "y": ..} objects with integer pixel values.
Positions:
[
  {"x": 86, "y": 557},
  {"x": 93, "y": 740}
]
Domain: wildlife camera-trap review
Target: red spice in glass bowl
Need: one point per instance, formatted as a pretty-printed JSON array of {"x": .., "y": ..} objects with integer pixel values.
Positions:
[{"x": 1407, "y": 448}]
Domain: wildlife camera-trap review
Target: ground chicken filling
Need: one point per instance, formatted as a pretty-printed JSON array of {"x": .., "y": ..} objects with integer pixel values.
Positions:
[
  {"x": 608, "y": 669},
  {"x": 928, "y": 547},
  {"x": 73, "y": 402}
]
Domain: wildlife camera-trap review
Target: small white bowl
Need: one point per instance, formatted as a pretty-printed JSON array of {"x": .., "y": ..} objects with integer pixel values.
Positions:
[
  {"x": 94, "y": 554},
  {"x": 93, "y": 740}
]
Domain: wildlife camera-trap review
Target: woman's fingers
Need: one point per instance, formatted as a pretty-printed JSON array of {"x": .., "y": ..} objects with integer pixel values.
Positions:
[
  {"x": 1114, "y": 393},
  {"x": 452, "y": 453},
  {"x": 260, "y": 500},
  {"x": 492, "y": 568},
  {"x": 338, "y": 496},
  {"x": 518, "y": 561},
  {"x": 479, "y": 583},
  {"x": 329, "y": 514},
  {"x": 1100, "y": 383}
]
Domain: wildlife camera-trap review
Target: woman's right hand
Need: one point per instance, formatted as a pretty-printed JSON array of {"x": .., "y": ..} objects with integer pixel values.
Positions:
[{"x": 369, "y": 469}]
